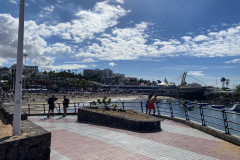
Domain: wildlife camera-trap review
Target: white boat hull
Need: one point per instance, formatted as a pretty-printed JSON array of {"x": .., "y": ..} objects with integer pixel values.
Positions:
[{"x": 236, "y": 107}]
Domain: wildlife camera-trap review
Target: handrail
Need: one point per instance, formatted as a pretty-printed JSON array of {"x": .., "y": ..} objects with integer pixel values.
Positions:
[{"x": 169, "y": 109}]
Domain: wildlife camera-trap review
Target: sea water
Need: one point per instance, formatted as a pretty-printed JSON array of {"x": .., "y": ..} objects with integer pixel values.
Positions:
[{"x": 212, "y": 117}]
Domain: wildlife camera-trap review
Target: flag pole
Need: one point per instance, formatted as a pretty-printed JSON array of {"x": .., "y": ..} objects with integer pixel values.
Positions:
[{"x": 19, "y": 73}]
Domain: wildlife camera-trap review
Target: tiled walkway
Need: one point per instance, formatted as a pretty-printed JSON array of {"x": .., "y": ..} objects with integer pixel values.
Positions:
[{"x": 80, "y": 141}]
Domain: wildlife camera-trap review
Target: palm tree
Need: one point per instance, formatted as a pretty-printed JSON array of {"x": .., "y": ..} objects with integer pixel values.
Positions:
[
  {"x": 223, "y": 80},
  {"x": 227, "y": 82}
]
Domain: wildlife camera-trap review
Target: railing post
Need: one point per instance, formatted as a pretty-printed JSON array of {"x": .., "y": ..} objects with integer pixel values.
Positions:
[
  {"x": 225, "y": 121},
  {"x": 202, "y": 116},
  {"x": 123, "y": 105},
  {"x": 158, "y": 109},
  {"x": 28, "y": 108},
  {"x": 75, "y": 107},
  {"x": 171, "y": 110},
  {"x": 59, "y": 108},
  {"x": 186, "y": 113},
  {"x": 141, "y": 107},
  {"x": 44, "y": 108}
]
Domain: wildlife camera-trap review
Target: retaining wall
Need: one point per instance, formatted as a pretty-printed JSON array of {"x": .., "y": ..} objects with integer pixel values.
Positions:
[{"x": 33, "y": 143}]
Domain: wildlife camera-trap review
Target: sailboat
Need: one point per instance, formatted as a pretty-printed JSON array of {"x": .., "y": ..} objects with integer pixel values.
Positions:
[{"x": 236, "y": 107}]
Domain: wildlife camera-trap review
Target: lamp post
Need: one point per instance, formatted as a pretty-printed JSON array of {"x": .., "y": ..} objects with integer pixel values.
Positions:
[{"x": 19, "y": 73}]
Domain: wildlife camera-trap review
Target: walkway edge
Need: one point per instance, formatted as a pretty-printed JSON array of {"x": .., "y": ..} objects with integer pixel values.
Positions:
[{"x": 212, "y": 131}]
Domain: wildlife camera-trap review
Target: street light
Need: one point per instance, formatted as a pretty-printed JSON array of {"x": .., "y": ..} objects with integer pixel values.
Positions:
[{"x": 19, "y": 73}]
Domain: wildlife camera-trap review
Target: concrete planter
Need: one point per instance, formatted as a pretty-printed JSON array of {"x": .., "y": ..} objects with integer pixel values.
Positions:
[{"x": 92, "y": 116}]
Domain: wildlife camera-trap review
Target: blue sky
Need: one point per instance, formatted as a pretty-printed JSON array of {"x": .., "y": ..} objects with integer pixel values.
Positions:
[{"x": 150, "y": 39}]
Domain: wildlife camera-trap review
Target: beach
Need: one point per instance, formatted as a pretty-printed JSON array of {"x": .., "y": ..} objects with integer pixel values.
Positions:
[
  {"x": 41, "y": 98},
  {"x": 86, "y": 97}
]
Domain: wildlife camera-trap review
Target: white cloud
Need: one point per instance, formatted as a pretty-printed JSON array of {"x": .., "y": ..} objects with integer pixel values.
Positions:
[
  {"x": 133, "y": 43},
  {"x": 123, "y": 44},
  {"x": 62, "y": 29},
  {"x": 186, "y": 38},
  {"x": 91, "y": 22},
  {"x": 233, "y": 61},
  {"x": 112, "y": 64},
  {"x": 43, "y": 61},
  {"x": 65, "y": 66},
  {"x": 2, "y": 61},
  {"x": 46, "y": 11},
  {"x": 88, "y": 60},
  {"x": 13, "y": 1},
  {"x": 58, "y": 48},
  {"x": 200, "y": 38},
  {"x": 195, "y": 73},
  {"x": 46, "y": 63},
  {"x": 60, "y": 1},
  {"x": 117, "y": 1},
  {"x": 8, "y": 30},
  {"x": 94, "y": 21}
]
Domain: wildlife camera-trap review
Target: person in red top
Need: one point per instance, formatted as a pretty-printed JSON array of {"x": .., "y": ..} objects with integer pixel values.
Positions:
[
  {"x": 147, "y": 103},
  {"x": 151, "y": 104}
]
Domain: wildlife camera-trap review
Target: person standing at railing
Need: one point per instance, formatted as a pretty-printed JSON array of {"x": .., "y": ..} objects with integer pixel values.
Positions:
[
  {"x": 65, "y": 105},
  {"x": 51, "y": 103},
  {"x": 147, "y": 103},
  {"x": 151, "y": 104}
]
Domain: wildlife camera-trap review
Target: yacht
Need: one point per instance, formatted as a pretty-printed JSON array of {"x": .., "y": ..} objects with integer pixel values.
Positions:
[
  {"x": 236, "y": 107},
  {"x": 218, "y": 106}
]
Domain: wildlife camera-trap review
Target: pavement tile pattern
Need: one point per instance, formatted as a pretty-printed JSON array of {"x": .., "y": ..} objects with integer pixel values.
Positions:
[{"x": 81, "y": 141}]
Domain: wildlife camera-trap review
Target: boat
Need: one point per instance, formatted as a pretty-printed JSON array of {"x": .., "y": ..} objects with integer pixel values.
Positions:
[
  {"x": 218, "y": 106},
  {"x": 236, "y": 107},
  {"x": 203, "y": 104},
  {"x": 190, "y": 91},
  {"x": 191, "y": 105}
]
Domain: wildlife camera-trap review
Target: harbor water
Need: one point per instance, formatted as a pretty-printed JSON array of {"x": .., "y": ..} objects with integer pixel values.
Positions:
[{"x": 212, "y": 117}]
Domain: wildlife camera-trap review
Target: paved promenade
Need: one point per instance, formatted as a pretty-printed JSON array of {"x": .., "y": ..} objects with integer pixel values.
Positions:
[{"x": 80, "y": 141}]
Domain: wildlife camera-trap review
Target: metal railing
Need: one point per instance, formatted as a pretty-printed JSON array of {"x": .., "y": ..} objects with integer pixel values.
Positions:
[{"x": 224, "y": 120}]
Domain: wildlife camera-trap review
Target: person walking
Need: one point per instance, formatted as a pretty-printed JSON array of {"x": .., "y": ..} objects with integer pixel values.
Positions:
[
  {"x": 151, "y": 104},
  {"x": 51, "y": 103},
  {"x": 65, "y": 105},
  {"x": 147, "y": 103}
]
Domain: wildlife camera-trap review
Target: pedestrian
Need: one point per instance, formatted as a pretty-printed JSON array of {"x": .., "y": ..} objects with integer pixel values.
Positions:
[
  {"x": 65, "y": 105},
  {"x": 147, "y": 103},
  {"x": 151, "y": 104},
  {"x": 51, "y": 103}
]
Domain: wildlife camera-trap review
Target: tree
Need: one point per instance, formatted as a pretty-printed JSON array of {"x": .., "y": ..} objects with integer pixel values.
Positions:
[
  {"x": 227, "y": 82},
  {"x": 238, "y": 89},
  {"x": 33, "y": 75},
  {"x": 223, "y": 80},
  {"x": 27, "y": 85}
]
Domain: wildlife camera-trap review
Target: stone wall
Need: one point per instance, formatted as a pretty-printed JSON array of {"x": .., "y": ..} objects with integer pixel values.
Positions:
[
  {"x": 33, "y": 143},
  {"x": 8, "y": 113},
  {"x": 88, "y": 115}
]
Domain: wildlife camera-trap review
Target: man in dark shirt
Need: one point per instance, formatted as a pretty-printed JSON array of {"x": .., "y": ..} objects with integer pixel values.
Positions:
[
  {"x": 65, "y": 105},
  {"x": 51, "y": 103}
]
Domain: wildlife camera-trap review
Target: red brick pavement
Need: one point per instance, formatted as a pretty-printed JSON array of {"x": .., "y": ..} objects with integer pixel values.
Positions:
[
  {"x": 71, "y": 144},
  {"x": 75, "y": 146},
  {"x": 216, "y": 149}
]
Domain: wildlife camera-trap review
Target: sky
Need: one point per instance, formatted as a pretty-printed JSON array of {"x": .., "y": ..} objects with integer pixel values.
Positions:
[{"x": 149, "y": 39}]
